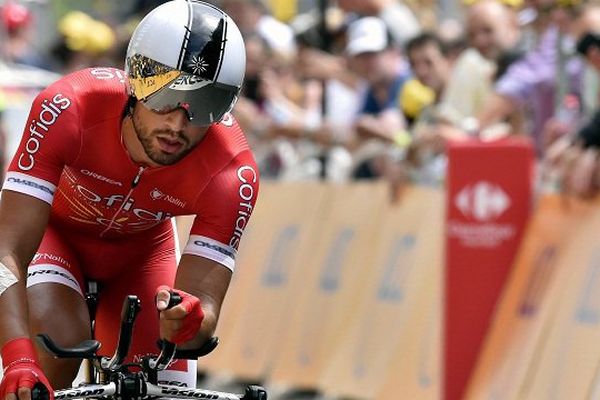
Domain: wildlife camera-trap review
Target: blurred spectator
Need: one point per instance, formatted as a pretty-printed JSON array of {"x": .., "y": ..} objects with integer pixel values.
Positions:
[
  {"x": 572, "y": 160},
  {"x": 398, "y": 18},
  {"x": 537, "y": 82},
  {"x": 253, "y": 16},
  {"x": 429, "y": 61},
  {"x": 541, "y": 78},
  {"x": 84, "y": 42},
  {"x": 277, "y": 109},
  {"x": 452, "y": 33},
  {"x": 17, "y": 46},
  {"x": 373, "y": 58},
  {"x": 494, "y": 39},
  {"x": 428, "y": 58},
  {"x": 584, "y": 29},
  {"x": 248, "y": 110}
]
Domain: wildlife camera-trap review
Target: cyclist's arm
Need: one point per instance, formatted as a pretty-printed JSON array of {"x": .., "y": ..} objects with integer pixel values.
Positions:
[
  {"x": 208, "y": 280},
  {"x": 50, "y": 141},
  {"x": 222, "y": 214},
  {"x": 22, "y": 222}
]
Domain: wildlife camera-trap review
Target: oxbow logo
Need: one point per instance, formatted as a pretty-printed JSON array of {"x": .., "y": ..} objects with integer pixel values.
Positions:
[{"x": 483, "y": 201}]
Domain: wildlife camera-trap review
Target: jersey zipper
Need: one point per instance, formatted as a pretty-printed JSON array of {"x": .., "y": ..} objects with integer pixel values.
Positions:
[{"x": 134, "y": 183}]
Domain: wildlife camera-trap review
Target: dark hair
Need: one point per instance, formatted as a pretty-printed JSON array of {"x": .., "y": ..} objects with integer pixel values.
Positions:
[
  {"x": 425, "y": 39},
  {"x": 588, "y": 40}
]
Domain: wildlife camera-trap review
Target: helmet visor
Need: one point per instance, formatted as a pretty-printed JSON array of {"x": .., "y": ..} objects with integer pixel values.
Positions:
[
  {"x": 204, "y": 101},
  {"x": 165, "y": 89}
]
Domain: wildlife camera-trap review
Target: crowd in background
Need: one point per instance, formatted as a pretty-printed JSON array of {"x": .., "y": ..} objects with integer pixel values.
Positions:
[{"x": 373, "y": 89}]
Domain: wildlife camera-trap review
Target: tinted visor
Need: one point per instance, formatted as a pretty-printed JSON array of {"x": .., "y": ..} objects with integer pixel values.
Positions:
[
  {"x": 164, "y": 89},
  {"x": 204, "y": 101}
]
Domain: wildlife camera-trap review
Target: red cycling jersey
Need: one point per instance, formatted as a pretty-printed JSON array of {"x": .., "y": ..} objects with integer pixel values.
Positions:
[{"x": 72, "y": 157}]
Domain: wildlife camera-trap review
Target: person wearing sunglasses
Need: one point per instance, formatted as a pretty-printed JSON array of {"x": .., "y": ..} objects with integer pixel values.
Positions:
[{"x": 107, "y": 158}]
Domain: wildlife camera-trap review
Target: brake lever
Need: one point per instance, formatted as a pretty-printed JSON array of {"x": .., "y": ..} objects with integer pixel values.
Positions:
[
  {"x": 129, "y": 312},
  {"x": 168, "y": 348}
]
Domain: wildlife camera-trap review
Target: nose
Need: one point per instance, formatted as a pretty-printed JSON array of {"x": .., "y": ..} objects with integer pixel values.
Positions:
[{"x": 177, "y": 120}]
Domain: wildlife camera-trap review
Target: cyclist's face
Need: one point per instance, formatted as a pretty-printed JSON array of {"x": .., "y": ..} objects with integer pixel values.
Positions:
[{"x": 166, "y": 137}]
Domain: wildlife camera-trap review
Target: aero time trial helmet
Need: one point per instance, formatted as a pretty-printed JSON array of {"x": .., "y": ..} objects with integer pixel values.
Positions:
[{"x": 187, "y": 54}]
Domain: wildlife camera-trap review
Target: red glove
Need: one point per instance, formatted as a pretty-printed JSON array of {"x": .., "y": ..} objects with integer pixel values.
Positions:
[
  {"x": 21, "y": 368},
  {"x": 188, "y": 313}
]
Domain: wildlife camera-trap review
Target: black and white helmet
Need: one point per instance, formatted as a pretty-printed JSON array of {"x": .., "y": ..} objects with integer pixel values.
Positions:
[{"x": 187, "y": 54}]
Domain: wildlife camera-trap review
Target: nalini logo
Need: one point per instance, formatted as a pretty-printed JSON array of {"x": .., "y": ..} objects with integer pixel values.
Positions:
[
  {"x": 483, "y": 201},
  {"x": 156, "y": 194}
]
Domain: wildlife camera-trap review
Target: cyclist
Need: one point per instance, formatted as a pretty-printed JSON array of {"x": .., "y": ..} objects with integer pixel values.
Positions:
[{"x": 106, "y": 159}]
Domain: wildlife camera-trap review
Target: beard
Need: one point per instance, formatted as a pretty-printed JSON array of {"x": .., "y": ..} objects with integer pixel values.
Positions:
[{"x": 148, "y": 140}]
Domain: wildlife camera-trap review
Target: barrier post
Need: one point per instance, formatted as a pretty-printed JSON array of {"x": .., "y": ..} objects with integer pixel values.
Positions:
[{"x": 488, "y": 203}]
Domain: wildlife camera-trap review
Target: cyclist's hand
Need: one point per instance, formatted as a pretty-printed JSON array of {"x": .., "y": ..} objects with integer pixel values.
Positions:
[
  {"x": 182, "y": 322},
  {"x": 22, "y": 372}
]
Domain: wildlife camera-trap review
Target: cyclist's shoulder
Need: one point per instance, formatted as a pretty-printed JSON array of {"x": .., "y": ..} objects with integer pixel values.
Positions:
[
  {"x": 220, "y": 158},
  {"x": 92, "y": 87},
  {"x": 227, "y": 141},
  {"x": 98, "y": 93},
  {"x": 99, "y": 80}
]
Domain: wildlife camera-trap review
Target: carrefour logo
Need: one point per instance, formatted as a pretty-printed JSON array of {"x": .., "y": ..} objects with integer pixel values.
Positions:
[{"x": 483, "y": 201}]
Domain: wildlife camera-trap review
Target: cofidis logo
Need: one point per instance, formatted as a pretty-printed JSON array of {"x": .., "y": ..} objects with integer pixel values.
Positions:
[{"x": 38, "y": 128}]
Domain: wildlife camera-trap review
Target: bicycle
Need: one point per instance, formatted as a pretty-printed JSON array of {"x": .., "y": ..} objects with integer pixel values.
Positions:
[{"x": 112, "y": 378}]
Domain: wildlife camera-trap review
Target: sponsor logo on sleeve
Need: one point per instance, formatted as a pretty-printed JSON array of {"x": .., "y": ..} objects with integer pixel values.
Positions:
[
  {"x": 247, "y": 176},
  {"x": 38, "y": 128},
  {"x": 214, "y": 246},
  {"x": 107, "y": 73},
  {"x": 32, "y": 184},
  {"x": 100, "y": 177}
]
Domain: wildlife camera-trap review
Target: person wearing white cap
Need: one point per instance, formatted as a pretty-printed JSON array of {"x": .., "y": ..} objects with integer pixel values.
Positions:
[{"x": 373, "y": 57}]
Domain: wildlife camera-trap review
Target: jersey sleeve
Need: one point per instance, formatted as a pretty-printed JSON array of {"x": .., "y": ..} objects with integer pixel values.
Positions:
[
  {"x": 50, "y": 141},
  {"x": 224, "y": 209}
]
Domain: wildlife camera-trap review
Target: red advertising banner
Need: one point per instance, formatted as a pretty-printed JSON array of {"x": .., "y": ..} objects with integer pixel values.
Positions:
[{"x": 488, "y": 202}]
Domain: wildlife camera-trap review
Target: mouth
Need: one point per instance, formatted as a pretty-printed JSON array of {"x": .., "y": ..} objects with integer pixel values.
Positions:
[{"x": 169, "y": 145}]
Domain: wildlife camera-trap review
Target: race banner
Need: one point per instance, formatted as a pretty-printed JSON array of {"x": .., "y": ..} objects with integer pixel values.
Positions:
[
  {"x": 333, "y": 275},
  {"x": 566, "y": 362},
  {"x": 489, "y": 195},
  {"x": 402, "y": 273},
  {"x": 527, "y": 308},
  {"x": 415, "y": 369}
]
